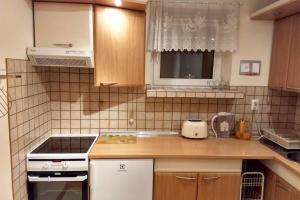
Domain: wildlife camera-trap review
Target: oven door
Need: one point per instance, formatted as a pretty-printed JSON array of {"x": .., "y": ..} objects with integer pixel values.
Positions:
[{"x": 58, "y": 186}]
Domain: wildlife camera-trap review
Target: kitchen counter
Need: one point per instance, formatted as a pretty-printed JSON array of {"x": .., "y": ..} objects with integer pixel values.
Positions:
[{"x": 179, "y": 147}]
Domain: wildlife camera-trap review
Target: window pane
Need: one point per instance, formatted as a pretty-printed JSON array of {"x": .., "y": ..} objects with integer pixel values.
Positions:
[{"x": 187, "y": 64}]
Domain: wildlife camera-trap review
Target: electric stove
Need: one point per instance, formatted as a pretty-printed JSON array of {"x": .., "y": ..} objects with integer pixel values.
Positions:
[{"x": 61, "y": 153}]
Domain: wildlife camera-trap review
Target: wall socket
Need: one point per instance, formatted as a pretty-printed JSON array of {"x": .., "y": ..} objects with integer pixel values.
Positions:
[{"x": 254, "y": 104}]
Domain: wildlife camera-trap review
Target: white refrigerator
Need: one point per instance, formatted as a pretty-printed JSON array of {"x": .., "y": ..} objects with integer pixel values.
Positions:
[{"x": 119, "y": 179}]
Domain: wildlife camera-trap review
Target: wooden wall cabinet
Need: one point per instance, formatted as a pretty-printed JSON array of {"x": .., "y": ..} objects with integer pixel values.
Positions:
[
  {"x": 63, "y": 24},
  {"x": 197, "y": 186},
  {"x": 293, "y": 80},
  {"x": 284, "y": 69},
  {"x": 280, "y": 53},
  {"x": 119, "y": 47}
]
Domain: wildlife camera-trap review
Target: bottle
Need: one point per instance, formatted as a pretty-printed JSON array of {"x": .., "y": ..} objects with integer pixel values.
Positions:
[{"x": 242, "y": 134}]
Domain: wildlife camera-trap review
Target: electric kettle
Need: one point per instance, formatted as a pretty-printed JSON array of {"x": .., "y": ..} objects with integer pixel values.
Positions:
[{"x": 222, "y": 124}]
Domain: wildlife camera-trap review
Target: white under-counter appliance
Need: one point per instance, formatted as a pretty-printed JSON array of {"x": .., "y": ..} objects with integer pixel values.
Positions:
[
  {"x": 58, "y": 168},
  {"x": 121, "y": 179},
  {"x": 194, "y": 129}
]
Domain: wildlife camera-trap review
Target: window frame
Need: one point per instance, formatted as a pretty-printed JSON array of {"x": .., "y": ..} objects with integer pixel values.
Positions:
[{"x": 156, "y": 81}]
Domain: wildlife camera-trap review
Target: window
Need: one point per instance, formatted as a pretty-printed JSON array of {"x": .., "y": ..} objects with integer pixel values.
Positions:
[{"x": 186, "y": 68}]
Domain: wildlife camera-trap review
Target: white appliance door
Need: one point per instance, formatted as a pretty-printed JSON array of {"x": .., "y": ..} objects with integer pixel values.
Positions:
[{"x": 119, "y": 179}]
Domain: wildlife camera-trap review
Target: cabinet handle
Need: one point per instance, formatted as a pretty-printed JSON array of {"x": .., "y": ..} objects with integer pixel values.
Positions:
[
  {"x": 186, "y": 178},
  {"x": 66, "y": 45},
  {"x": 290, "y": 88},
  {"x": 282, "y": 187},
  {"x": 108, "y": 84},
  {"x": 210, "y": 178}
]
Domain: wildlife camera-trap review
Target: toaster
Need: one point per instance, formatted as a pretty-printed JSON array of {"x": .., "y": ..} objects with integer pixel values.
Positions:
[{"x": 196, "y": 129}]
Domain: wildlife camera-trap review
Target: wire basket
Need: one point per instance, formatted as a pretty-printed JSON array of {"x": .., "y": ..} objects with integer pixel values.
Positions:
[{"x": 252, "y": 187}]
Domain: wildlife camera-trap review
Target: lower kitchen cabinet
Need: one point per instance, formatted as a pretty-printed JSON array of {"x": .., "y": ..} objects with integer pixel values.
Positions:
[
  {"x": 284, "y": 191},
  {"x": 175, "y": 186},
  {"x": 197, "y": 186},
  {"x": 219, "y": 186},
  {"x": 270, "y": 184},
  {"x": 278, "y": 189}
]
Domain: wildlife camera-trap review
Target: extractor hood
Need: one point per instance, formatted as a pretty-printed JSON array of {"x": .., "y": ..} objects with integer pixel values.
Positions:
[{"x": 60, "y": 57}]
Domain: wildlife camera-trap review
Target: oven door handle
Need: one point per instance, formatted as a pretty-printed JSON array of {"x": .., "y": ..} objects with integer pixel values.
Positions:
[{"x": 57, "y": 179}]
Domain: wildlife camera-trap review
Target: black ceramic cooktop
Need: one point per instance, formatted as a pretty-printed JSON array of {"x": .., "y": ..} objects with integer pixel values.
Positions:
[{"x": 65, "y": 145}]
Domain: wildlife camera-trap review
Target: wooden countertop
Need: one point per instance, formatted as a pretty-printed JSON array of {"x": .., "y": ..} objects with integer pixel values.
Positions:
[{"x": 179, "y": 147}]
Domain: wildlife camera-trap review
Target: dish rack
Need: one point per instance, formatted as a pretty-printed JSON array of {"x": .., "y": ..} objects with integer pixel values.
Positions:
[
  {"x": 287, "y": 138},
  {"x": 252, "y": 187}
]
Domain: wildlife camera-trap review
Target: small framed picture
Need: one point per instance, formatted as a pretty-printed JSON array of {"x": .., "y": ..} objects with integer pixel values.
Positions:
[{"x": 250, "y": 67}]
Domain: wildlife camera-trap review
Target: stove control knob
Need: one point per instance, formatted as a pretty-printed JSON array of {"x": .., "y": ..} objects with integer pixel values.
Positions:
[
  {"x": 65, "y": 165},
  {"x": 46, "y": 165}
]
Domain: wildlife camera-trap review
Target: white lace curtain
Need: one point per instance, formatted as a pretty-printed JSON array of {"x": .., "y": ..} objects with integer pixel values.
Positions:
[{"x": 193, "y": 25}]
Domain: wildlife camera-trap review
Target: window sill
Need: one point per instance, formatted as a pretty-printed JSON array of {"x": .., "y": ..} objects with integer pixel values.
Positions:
[{"x": 195, "y": 93}]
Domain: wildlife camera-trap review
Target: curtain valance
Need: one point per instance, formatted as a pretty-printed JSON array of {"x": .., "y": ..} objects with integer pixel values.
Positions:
[{"x": 192, "y": 25}]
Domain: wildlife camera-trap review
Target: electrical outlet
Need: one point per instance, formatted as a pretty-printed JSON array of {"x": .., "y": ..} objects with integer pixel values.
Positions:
[{"x": 254, "y": 104}]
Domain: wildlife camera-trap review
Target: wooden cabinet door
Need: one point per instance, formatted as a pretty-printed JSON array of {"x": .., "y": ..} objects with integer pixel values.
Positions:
[
  {"x": 280, "y": 53},
  {"x": 219, "y": 186},
  {"x": 119, "y": 47},
  {"x": 295, "y": 195},
  {"x": 283, "y": 191},
  {"x": 293, "y": 80},
  {"x": 270, "y": 184},
  {"x": 175, "y": 186}
]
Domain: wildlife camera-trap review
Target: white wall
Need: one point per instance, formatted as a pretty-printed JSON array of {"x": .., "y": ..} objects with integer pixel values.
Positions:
[
  {"x": 16, "y": 29},
  {"x": 16, "y": 33},
  {"x": 255, "y": 44}
]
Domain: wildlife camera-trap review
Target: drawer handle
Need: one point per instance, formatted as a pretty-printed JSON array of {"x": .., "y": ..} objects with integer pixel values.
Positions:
[
  {"x": 65, "y": 45},
  {"x": 108, "y": 84},
  {"x": 186, "y": 178},
  {"x": 211, "y": 178}
]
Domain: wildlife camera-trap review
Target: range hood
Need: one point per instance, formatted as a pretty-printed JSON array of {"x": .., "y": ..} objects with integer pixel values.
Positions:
[{"x": 60, "y": 57}]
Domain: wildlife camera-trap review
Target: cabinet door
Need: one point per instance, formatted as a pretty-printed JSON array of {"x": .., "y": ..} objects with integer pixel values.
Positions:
[
  {"x": 175, "y": 186},
  {"x": 280, "y": 52},
  {"x": 119, "y": 47},
  {"x": 219, "y": 186},
  {"x": 57, "y": 24},
  {"x": 293, "y": 80},
  {"x": 295, "y": 195},
  {"x": 283, "y": 191},
  {"x": 270, "y": 184}
]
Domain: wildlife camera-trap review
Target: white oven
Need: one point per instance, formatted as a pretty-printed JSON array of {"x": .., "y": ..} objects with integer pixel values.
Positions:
[
  {"x": 58, "y": 185},
  {"x": 58, "y": 168}
]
